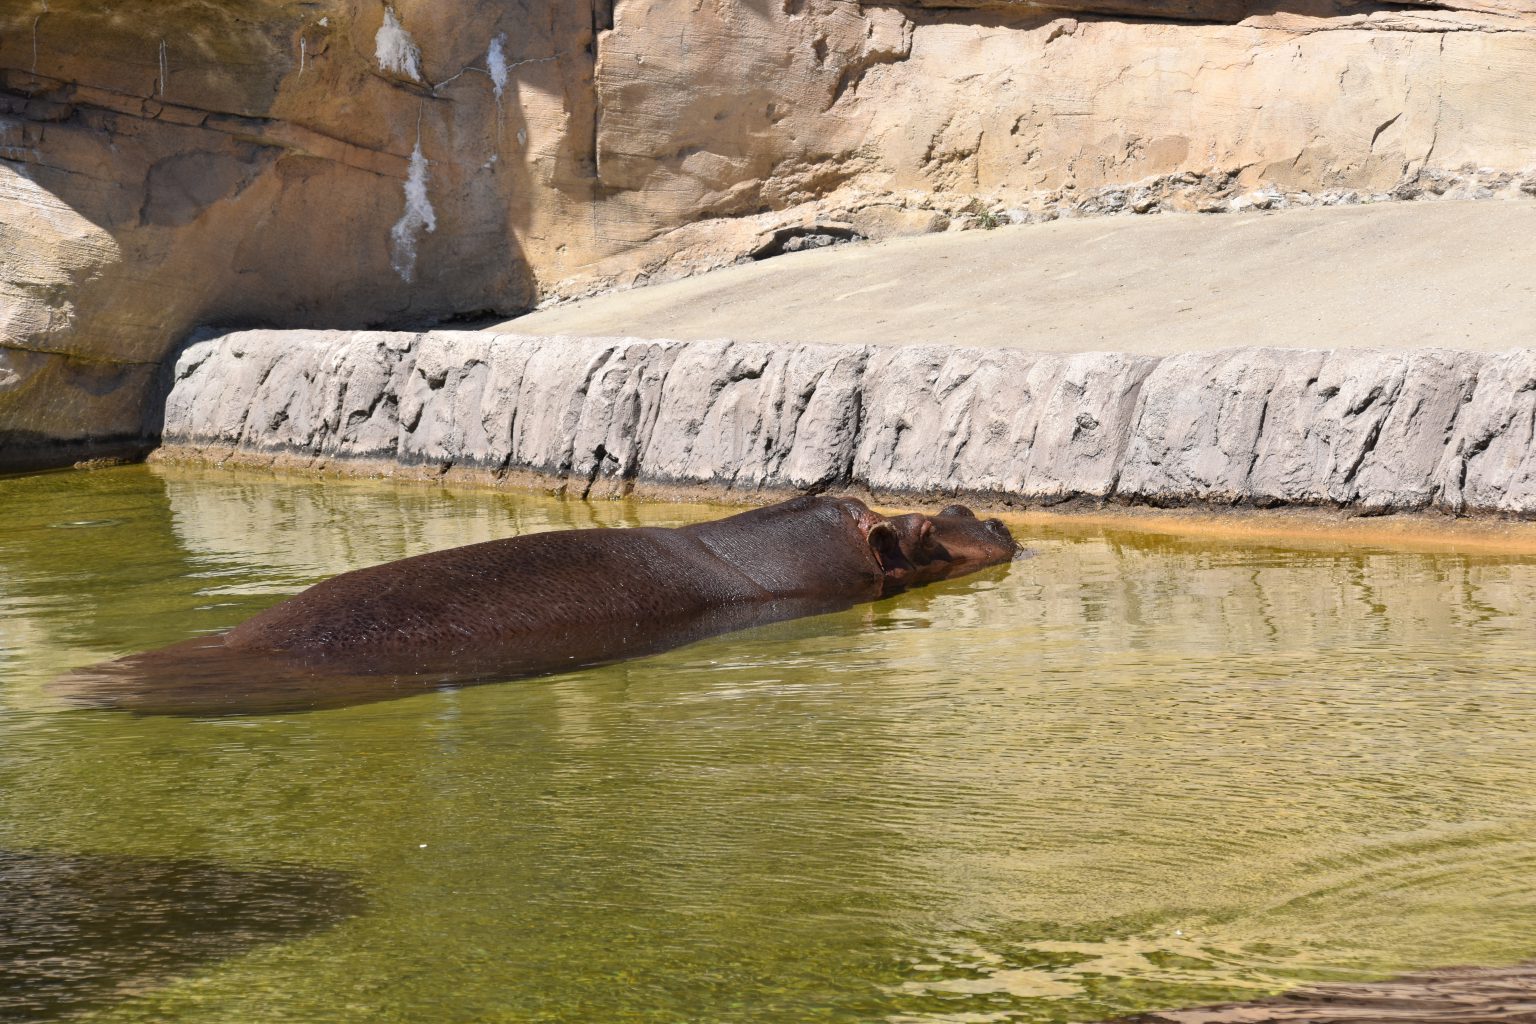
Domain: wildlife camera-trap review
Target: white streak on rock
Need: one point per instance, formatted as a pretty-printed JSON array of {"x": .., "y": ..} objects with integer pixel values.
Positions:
[
  {"x": 396, "y": 51},
  {"x": 35, "y": 23},
  {"x": 496, "y": 64},
  {"x": 418, "y": 217}
]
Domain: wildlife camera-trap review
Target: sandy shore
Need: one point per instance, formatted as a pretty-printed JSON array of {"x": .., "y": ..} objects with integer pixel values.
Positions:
[{"x": 1391, "y": 275}]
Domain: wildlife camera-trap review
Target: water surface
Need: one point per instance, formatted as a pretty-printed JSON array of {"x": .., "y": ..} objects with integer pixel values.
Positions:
[{"x": 1133, "y": 772}]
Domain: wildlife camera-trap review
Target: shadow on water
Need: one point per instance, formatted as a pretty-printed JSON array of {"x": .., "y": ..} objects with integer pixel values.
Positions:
[{"x": 80, "y": 932}]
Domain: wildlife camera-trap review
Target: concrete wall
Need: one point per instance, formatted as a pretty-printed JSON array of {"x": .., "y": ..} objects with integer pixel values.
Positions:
[{"x": 1364, "y": 429}]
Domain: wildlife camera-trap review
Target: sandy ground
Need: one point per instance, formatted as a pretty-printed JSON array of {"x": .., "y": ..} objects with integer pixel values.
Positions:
[{"x": 1399, "y": 275}]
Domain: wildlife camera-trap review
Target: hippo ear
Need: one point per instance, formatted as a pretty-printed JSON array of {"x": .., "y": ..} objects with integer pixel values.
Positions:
[
  {"x": 885, "y": 542},
  {"x": 922, "y": 546}
]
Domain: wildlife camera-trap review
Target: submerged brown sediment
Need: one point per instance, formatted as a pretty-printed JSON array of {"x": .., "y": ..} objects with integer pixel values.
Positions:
[
  {"x": 79, "y": 932},
  {"x": 1464, "y": 995}
]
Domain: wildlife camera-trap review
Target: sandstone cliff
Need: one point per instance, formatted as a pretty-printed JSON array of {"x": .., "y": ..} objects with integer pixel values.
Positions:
[{"x": 168, "y": 163}]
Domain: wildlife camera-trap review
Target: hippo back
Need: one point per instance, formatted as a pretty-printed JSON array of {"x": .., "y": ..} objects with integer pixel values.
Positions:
[
  {"x": 809, "y": 547},
  {"x": 503, "y": 591}
]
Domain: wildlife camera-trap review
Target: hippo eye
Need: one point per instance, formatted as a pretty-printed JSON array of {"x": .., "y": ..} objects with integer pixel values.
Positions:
[{"x": 957, "y": 510}]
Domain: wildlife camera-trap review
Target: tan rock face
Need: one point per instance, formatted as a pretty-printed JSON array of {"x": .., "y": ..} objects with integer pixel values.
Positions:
[
  {"x": 174, "y": 163},
  {"x": 346, "y": 163}
]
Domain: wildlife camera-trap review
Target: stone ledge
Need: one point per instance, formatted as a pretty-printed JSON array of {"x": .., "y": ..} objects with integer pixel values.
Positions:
[{"x": 1368, "y": 430}]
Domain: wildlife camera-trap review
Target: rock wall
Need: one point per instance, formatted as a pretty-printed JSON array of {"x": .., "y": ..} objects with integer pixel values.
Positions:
[
  {"x": 352, "y": 163},
  {"x": 1369, "y": 430}
]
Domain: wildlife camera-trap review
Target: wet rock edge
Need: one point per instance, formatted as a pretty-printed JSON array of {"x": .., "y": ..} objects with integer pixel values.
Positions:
[{"x": 1366, "y": 432}]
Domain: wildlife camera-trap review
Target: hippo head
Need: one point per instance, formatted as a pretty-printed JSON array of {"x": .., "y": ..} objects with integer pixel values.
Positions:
[{"x": 915, "y": 548}]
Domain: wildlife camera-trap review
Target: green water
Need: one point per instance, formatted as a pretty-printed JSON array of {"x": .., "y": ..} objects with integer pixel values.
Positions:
[{"x": 1131, "y": 772}]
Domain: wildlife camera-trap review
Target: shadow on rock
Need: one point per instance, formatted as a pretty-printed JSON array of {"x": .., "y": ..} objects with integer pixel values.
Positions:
[{"x": 80, "y": 932}]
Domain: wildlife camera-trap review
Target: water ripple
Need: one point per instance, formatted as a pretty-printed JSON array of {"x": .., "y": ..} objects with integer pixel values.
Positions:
[{"x": 1131, "y": 772}]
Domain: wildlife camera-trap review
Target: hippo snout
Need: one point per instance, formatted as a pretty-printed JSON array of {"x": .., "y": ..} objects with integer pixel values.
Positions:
[{"x": 998, "y": 531}]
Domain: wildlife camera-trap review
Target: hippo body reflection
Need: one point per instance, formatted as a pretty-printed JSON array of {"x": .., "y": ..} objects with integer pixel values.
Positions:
[{"x": 544, "y": 603}]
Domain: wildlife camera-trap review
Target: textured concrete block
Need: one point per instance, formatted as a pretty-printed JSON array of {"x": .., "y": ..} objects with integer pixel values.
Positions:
[
  {"x": 1084, "y": 423},
  {"x": 1400, "y": 472},
  {"x": 1198, "y": 427},
  {"x": 1490, "y": 463},
  {"x": 1374, "y": 430}
]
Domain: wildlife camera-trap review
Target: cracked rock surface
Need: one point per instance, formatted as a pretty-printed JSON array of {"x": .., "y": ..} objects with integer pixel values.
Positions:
[{"x": 1373, "y": 430}]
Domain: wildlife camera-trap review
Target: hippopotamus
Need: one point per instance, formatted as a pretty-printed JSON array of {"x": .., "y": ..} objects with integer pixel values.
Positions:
[{"x": 546, "y": 602}]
